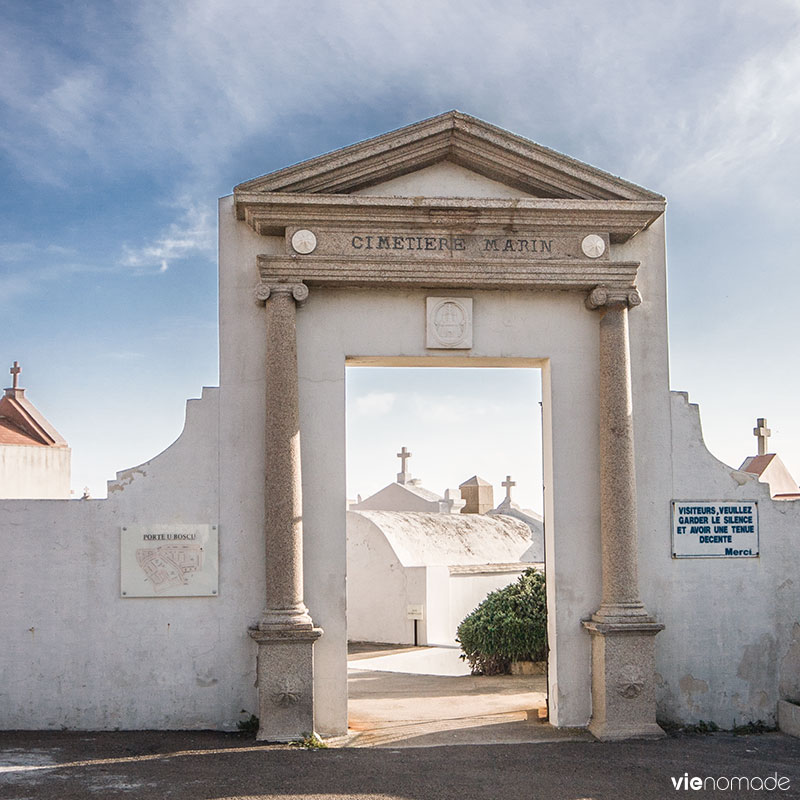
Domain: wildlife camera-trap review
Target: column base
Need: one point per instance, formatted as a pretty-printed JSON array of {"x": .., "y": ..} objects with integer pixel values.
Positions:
[
  {"x": 623, "y": 679},
  {"x": 285, "y": 679},
  {"x": 284, "y": 619}
]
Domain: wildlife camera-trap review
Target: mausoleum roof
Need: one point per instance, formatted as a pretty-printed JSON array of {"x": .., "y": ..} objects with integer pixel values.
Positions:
[
  {"x": 400, "y": 496},
  {"x": 431, "y": 539},
  {"x": 11, "y": 434},
  {"x": 21, "y": 423},
  {"x": 475, "y": 480},
  {"x": 421, "y": 491},
  {"x": 771, "y": 470}
]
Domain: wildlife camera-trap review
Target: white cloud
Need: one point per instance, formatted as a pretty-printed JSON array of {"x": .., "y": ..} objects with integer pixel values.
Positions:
[
  {"x": 375, "y": 404},
  {"x": 193, "y": 234}
]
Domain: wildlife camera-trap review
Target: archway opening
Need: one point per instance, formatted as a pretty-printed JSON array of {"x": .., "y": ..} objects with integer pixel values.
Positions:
[{"x": 445, "y": 501}]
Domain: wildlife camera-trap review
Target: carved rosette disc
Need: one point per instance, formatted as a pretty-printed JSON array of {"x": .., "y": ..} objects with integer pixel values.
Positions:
[
  {"x": 630, "y": 685},
  {"x": 593, "y": 246},
  {"x": 304, "y": 242}
]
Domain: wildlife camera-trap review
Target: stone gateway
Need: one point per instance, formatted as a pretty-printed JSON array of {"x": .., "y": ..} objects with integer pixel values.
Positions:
[
  {"x": 447, "y": 243},
  {"x": 551, "y": 236}
]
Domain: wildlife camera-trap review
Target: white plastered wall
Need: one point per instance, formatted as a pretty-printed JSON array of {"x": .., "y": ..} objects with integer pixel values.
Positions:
[
  {"x": 731, "y": 646},
  {"x": 379, "y": 587},
  {"x": 34, "y": 472},
  {"x": 468, "y": 591},
  {"x": 76, "y": 654}
]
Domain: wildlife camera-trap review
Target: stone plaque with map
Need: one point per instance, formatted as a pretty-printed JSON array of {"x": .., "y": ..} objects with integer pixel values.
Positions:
[{"x": 169, "y": 560}]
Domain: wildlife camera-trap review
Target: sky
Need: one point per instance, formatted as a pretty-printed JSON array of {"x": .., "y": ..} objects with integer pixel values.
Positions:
[{"x": 122, "y": 123}]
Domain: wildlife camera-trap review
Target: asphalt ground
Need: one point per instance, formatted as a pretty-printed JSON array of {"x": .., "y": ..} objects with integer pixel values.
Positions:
[{"x": 209, "y": 765}]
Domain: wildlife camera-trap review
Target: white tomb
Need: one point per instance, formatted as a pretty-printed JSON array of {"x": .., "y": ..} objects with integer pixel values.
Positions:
[{"x": 444, "y": 563}]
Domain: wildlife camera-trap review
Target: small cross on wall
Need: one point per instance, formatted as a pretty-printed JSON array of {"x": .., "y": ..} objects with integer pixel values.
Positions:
[
  {"x": 15, "y": 371},
  {"x": 762, "y": 434},
  {"x": 508, "y": 483}
]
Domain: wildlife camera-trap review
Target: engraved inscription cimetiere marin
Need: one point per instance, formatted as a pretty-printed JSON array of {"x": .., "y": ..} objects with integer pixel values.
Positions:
[{"x": 410, "y": 245}]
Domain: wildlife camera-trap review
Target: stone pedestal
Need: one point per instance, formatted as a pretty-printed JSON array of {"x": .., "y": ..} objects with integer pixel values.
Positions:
[
  {"x": 623, "y": 687},
  {"x": 285, "y": 683}
]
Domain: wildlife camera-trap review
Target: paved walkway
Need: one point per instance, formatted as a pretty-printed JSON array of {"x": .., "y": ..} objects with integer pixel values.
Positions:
[{"x": 423, "y": 697}]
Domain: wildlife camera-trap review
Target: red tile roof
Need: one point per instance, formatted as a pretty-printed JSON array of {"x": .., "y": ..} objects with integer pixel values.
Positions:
[
  {"x": 757, "y": 464},
  {"x": 21, "y": 418},
  {"x": 11, "y": 434}
]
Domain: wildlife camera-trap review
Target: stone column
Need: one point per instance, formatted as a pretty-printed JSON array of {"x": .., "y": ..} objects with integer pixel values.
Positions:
[
  {"x": 285, "y": 632},
  {"x": 623, "y": 633}
]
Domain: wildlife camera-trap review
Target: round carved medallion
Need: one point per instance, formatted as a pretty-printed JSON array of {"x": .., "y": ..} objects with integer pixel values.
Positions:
[
  {"x": 304, "y": 242},
  {"x": 593, "y": 246}
]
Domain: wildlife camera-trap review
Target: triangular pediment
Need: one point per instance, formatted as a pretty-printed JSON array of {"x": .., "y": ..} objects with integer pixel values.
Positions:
[{"x": 459, "y": 139}]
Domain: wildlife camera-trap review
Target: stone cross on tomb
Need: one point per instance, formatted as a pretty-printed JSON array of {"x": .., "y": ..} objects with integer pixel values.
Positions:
[
  {"x": 508, "y": 483},
  {"x": 15, "y": 371},
  {"x": 762, "y": 433},
  {"x": 403, "y": 476}
]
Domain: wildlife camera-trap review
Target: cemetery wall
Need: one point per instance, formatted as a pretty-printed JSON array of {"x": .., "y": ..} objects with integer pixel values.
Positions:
[
  {"x": 731, "y": 646},
  {"x": 76, "y": 654}
]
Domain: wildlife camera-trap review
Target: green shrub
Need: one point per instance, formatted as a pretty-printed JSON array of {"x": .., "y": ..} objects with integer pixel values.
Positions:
[{"x": 509, "y": 625}]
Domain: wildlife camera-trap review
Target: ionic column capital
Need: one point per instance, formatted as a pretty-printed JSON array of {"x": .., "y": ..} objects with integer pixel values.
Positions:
[
  {"x": 603, "y": 297},
  {"x": 263, "y": 291}
]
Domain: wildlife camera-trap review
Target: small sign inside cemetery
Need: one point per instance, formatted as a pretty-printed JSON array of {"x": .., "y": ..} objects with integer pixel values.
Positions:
[
  {"x": 714, "y": 528},
  {"x": 169, "y": 561}
]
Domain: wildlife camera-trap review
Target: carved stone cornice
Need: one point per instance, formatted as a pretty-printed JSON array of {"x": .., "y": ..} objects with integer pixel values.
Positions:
[
  {"x": 605, "y": 296},
  {"x": 270, "y": 213},
  {"x": 267, "y": 289},
  {"x": 337, "y": 271}
]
